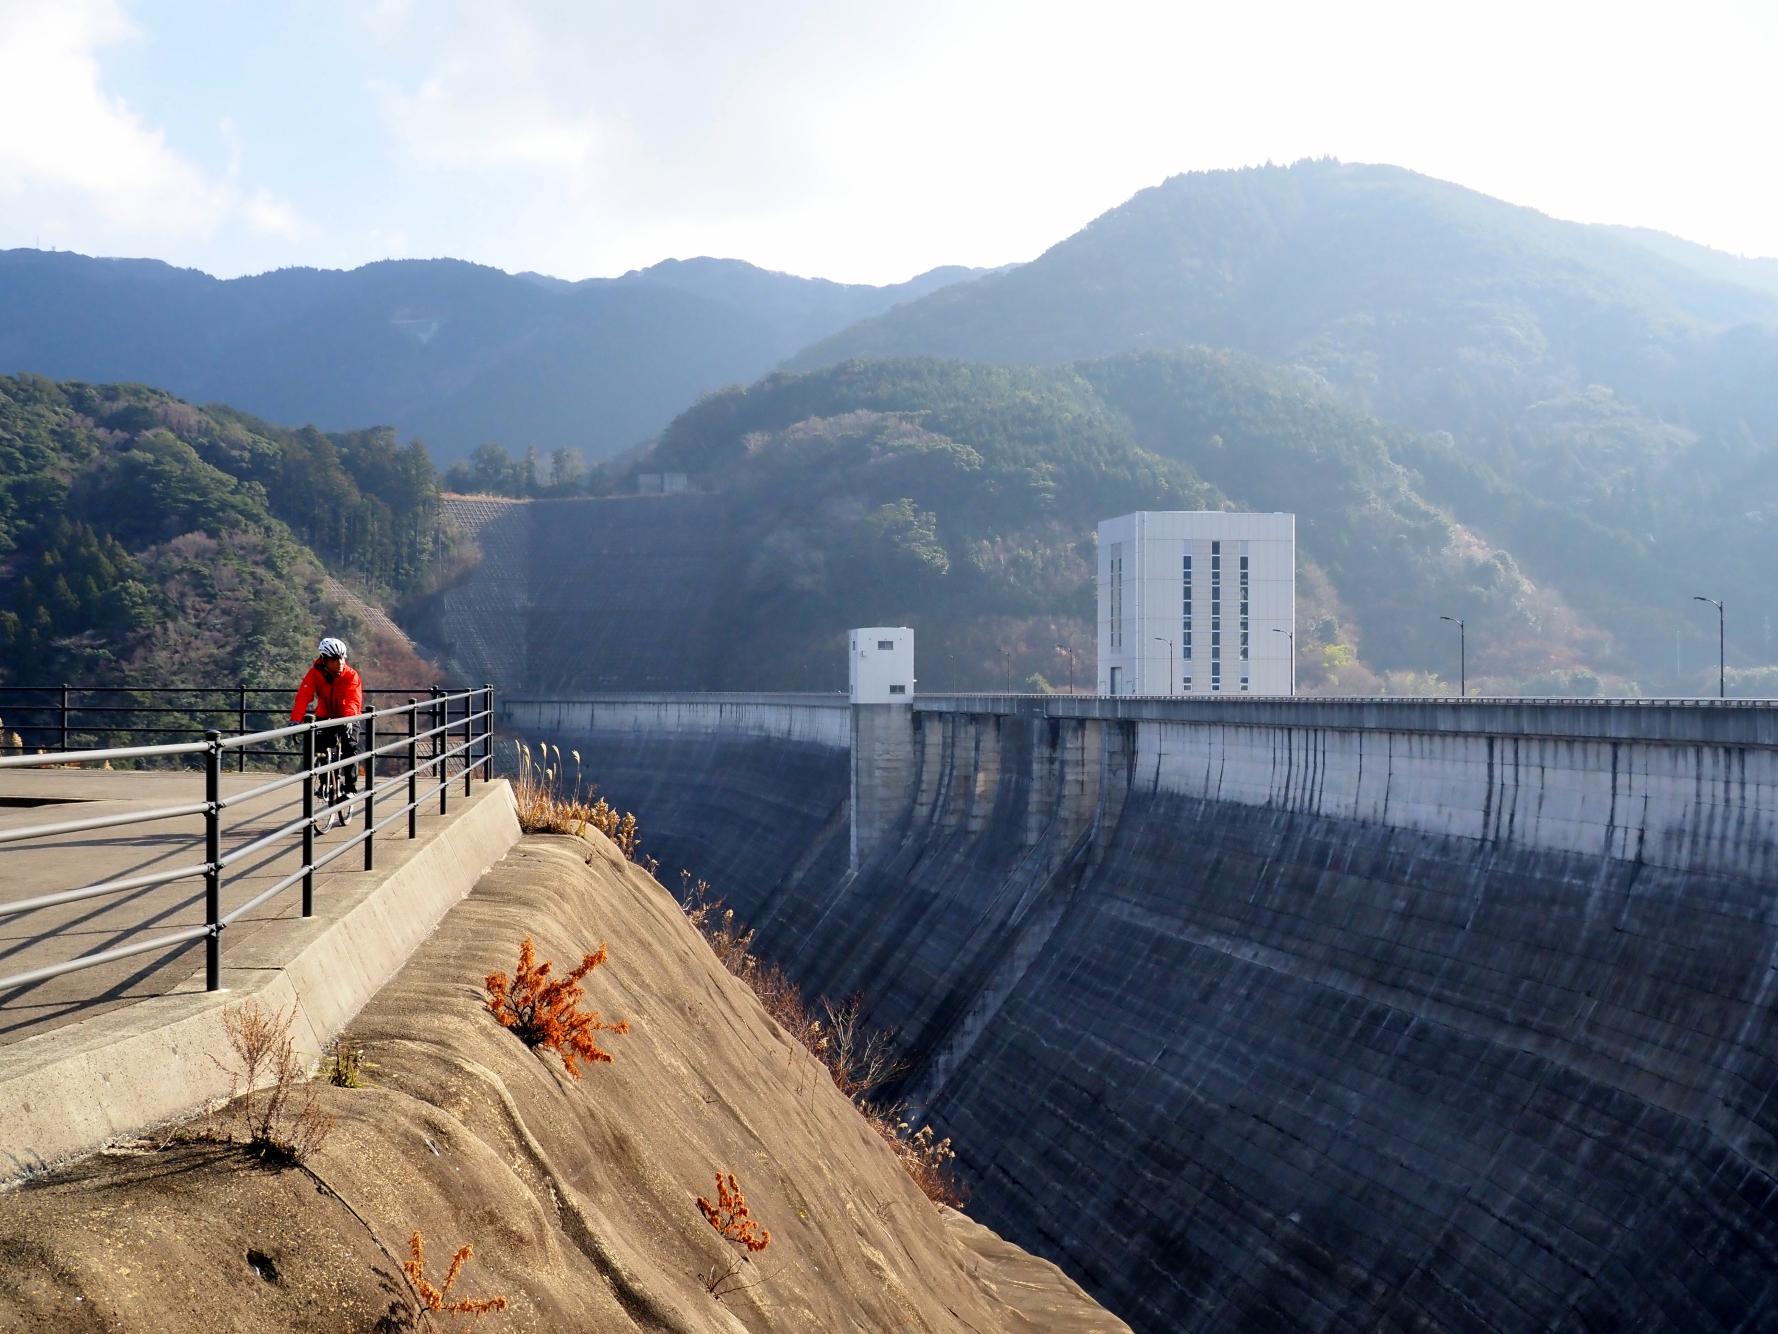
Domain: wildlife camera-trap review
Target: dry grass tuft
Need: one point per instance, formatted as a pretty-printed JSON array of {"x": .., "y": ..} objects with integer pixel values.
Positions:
[
  {"x": 549, "y": 804},
  {"x": 281, "y": 1119},
  {"x": 435, "y": 1299},
  {"x": 930, "y": 1161},
  {"x": 542, "y": 1013}
]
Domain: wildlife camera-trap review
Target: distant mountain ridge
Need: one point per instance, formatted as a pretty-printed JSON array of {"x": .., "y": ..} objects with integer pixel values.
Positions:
[{"x": 455, "y": 353}]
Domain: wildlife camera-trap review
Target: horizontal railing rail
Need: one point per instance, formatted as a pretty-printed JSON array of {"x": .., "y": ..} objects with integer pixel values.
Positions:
[{"x": 424, "y": 745}]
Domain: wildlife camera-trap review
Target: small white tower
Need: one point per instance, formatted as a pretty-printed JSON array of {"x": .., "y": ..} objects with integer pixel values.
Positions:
[{"x": 882, "y": 665}]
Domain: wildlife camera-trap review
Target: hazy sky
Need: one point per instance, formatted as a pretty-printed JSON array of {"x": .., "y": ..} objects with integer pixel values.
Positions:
[{"x": 859, "y": 141}]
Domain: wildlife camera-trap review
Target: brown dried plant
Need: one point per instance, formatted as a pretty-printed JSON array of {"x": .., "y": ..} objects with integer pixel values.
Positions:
[
  {"x": 620, "y": 829},
  {"x": 930, "y": 1161},
  {"x": 542, "y": 1013},
  {"x": 435, "y": 1299},
  {"x": 729, "y": 1214},
  {"x": 264, "y": 1081}
]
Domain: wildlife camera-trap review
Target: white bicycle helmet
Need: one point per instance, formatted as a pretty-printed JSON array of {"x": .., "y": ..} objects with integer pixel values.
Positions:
[{"x": 331, "y": 648}]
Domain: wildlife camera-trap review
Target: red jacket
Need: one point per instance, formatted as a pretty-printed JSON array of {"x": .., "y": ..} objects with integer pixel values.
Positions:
[{"x": 342, "y": 697}]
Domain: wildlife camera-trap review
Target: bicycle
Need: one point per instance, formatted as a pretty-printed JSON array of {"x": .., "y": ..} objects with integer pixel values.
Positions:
[{"x": 330, "y": 786}]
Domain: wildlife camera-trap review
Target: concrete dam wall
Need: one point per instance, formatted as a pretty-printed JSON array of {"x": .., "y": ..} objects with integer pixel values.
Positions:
[{"x": 1265, "y": 1014}]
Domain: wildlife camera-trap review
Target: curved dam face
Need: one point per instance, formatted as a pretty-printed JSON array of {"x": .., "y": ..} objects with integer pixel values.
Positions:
[{"x": 1287, "y": 1014}]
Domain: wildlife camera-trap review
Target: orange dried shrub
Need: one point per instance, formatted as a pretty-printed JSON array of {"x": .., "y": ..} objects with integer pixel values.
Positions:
[
  {"x": 435, "y": 1299},
  {"x": 729, "y": 1215},
  {"x": 542, "y": 1013}
]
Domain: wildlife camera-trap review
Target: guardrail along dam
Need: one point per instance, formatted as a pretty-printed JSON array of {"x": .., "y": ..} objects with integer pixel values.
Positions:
[{"x": 1272, "y": 1014}]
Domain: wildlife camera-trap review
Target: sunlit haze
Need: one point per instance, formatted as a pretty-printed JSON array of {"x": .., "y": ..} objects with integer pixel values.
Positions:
[{"x": 862, "y": 142}]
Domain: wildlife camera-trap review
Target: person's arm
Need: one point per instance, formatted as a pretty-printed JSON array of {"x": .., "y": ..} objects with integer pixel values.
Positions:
[
  {"x": 305, "y": 694},
  {"x": 352, "y": 700}
]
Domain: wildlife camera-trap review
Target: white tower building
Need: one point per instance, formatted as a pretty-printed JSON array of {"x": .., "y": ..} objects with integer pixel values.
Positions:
[
  {"x": 1190, "y": 600},
  {"x": 882, "y": 665}
]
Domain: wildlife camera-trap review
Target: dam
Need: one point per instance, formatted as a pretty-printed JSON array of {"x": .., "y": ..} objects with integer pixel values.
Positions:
[{"x": 1282, "y": 1014}]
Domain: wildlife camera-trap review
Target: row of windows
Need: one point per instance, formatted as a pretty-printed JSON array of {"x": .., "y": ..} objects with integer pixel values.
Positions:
[
  {"x": 1117, "y": 595},
  {"x": 1216, "y": 615},
  {"x": 1185, "y": 627}
]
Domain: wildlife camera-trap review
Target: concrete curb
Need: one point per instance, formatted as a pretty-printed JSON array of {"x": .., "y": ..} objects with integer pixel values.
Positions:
[{"x": 75, "y": 1089}]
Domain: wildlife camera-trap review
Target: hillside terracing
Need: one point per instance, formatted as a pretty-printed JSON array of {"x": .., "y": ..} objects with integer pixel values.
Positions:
[{"x": 579, "y": 1197}]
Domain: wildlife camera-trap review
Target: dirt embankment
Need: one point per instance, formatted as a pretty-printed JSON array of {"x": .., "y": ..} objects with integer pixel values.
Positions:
[{"x": 578, "y": 1196}]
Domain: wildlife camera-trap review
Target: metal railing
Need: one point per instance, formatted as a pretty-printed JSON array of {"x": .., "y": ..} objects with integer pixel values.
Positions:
[
  {"x": 67, "y": 718},
  {"x": 425, "y": 748}
]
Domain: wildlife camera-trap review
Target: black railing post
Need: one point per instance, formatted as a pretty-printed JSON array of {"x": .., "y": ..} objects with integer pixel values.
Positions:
[
  {"x": 443, "y": 709},
  {"x": 487, "y": 733},
  {"x": 370, "y": 787},
  {"x": 440, "y": 771},
  {"x": 65, "y": 746},
  {"x": 241, "y": 755},
  {"x": 213, "y": 861},
  {"x": 309, "y": 814},
  {"x": 468, "y": 736},
  {"x": 413, "y": 769}
]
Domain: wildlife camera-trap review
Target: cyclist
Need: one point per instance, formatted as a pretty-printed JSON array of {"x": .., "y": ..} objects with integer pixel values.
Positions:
[{"x": 336, "y": 691}]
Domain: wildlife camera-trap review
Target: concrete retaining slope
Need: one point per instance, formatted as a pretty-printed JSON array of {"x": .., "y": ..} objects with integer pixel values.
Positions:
[
  {"x": 75, "y": 1089},
  {"x": 1308, "y": 1016}
]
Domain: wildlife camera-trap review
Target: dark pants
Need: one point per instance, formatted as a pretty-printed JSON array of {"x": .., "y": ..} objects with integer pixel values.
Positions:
[{"x": 342, "y": 740}]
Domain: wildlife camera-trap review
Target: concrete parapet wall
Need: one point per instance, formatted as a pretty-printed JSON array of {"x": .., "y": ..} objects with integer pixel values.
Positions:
[
  {"x": 160, "y": 1060},
  {"x": 1686, "y": 784},
  {"x": 823, "y": 720}
]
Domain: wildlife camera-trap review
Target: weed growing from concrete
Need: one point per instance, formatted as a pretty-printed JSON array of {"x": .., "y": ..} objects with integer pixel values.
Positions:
[
  {"x": 281, "y": 1118},
  {"x": 542, "y": 1013},
  {"x": 436, "y": 1299},
  {"x": 729, "y": 1214},
  {"x": 343, "y": 1064}
]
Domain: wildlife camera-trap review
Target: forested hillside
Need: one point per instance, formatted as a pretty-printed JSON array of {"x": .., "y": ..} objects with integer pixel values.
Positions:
[
  {"x": 454, "y": 353},
  {"x": 142, "y": 539},
  {"x": 963, "y": 500},
  {"x": 1596, "y": 399}
]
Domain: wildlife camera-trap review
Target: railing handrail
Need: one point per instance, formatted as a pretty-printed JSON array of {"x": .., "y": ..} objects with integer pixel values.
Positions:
[{"x": 467, "y": 713}]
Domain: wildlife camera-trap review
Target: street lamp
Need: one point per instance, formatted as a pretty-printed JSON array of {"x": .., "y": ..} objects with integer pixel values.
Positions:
[
  {"x": 1462, "y": 656},
  {"x": 1007, "y": 654},
  {"x": 1722, "y": 666},
  {"x": 1070, "y": 652},
  {"x": 1292, "y": 638},
  {"x": 1169, "y": 644}
]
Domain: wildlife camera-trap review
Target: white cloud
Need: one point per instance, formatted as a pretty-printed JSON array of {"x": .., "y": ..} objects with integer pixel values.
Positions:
[
  {"x": 497, "y": 94},
  {"x": 87, "y": 163}
]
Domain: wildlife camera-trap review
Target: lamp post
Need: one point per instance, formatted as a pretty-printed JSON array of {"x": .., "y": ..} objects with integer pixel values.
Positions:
[
  {"x": 1070, "y": 652},
  {"x": 1462, "y": 656},
  {"x": 1292, "y": 638},
  {"x": 1722, "y": 665},
  {"x": 1169, "y": 644},
  {"x": 1007, "y": 654}
]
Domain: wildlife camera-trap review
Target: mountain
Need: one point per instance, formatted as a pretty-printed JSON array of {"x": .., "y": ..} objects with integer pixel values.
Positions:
[
  {"x": 963, "y": 500},
  {"x": 144, "y": 539},
  {"x": 455, "y": 353},
  {"x": 1625, "y": 382}
]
